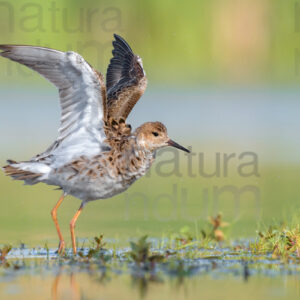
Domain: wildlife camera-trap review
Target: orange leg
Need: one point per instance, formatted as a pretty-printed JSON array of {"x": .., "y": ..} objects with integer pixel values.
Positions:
[
  {"x": 72, "y": 227},
  {"x": 54, "y": 217}
]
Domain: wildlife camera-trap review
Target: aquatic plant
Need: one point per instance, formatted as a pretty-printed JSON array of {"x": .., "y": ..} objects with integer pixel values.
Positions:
[
  {"x": 4, "y": 251},
  {"x": 214, "y": 230},
  {"x": 140, "y": 253},
  {"x": 281, "y": 241}
]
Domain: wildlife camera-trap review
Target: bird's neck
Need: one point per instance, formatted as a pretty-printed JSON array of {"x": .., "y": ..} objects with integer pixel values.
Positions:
[{"x": 137, "y": 158}]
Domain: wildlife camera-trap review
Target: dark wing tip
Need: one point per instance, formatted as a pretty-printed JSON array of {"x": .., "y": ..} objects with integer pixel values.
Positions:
[
  {"x": 11, "y": 161},
  {"x": 5, "y": 48},
  {"x": 125, "y": 69},
  {"x": 119, "y": 63},
  {"x": 120, "y": 42}
]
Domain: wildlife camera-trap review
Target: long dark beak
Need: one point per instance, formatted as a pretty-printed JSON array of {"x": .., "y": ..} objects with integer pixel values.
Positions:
[{"x": 174, "y": 144}]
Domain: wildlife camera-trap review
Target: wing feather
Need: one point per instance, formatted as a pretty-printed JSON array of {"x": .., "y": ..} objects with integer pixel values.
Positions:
[
  {"x": 80, "y": 91},
  {"x": 125, "y": 80}
]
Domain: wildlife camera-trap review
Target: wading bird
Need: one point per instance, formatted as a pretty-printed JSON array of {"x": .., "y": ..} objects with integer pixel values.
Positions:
[{"x": 96, "y": 155}]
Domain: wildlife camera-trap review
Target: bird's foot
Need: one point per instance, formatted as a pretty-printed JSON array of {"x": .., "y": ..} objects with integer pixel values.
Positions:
[{"x": 61, "y": 247}]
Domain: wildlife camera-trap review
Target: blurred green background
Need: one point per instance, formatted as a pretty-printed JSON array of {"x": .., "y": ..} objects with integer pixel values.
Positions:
[
  {"x": 189, "y": 43},
  {"x": 223, "y": 76}
]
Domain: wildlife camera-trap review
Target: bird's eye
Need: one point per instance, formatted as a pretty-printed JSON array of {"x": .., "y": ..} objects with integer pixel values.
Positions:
[{"x": 154, "y": 133}]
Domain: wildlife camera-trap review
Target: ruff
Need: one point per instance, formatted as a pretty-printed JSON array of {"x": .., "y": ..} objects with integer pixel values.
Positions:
[{"x": 96, "y": 155}]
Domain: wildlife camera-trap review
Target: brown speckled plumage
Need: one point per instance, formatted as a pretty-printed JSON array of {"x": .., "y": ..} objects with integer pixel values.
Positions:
[
  {"x": 96, "y": 154},
  {"x": 126, "y": 100}
]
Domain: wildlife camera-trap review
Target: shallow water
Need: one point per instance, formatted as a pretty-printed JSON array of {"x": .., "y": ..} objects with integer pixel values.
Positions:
[
  {"x": 85, "y": 286},
  {"x": 217, "y": 273}
]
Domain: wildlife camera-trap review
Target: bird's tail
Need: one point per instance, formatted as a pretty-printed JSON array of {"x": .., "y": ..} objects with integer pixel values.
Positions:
[{"x": 29, "y": 172}]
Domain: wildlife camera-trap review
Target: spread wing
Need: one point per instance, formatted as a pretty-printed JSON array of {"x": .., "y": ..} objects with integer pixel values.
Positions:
[
  {"x": 125, "y": 80},
  {"x": 80, "y": 91}
]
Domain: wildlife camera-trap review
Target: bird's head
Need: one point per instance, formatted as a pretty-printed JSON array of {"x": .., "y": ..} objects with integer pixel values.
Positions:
[{"x": 154, "y": 135}]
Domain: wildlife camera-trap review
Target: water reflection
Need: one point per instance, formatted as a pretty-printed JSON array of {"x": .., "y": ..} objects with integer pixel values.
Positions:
[
  {"x": 93, "y": 285},
  {"x": 68, "y": 285},
  {"x": 72, "y": 289},
  {"x": 142, "y": 282},
  {"x": 81, "y": 284},
  {"x": 46, "y": 276}
]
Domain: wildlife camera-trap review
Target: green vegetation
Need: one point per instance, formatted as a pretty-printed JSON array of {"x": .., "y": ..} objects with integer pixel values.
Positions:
[
  {"x": 282, "y": 242},
  {"x": 176, "y": 261},
  {"x": 203, "y": 42},
  {"x": 154, "y": 206}
]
